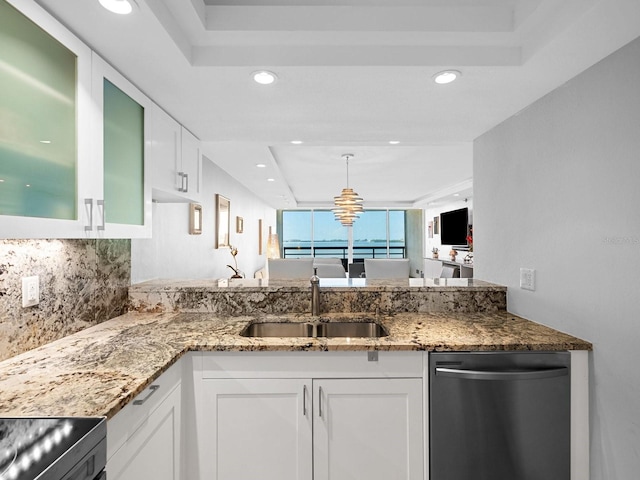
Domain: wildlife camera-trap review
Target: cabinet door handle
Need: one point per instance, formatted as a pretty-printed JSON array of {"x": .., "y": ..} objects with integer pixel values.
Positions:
[
  {"x": 101, "y": 204},
  {"x": 89, "y": 202},
  {"x": 502, "y": 375},
  {"x": 320, "y": 402},
  {"x": 153, "y": 389},
  {"x": 304, "y": 400},
  {"x": 181, "y": 187},
  {"x": 186, "y": 177}
]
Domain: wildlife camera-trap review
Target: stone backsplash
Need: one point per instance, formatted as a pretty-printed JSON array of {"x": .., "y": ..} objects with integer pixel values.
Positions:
[{"x": 82, "y": 283}]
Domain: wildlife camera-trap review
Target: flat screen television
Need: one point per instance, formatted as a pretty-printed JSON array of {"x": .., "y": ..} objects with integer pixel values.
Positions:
[{"x": 454, "y": 227}]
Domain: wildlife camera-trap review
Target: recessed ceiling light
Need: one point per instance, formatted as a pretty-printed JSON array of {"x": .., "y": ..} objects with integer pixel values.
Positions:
[
  {"x": 264, "y": 77},
  {"x": 456, "y": 194},
  {"x": 394, "y": 142},
  {"x": 121, "y": 7},
  {"x": 446, "y": 76},
  {"x": 296, "y": 142},
  {"x": 261, "y": 165},
  {"x": 271, "y": 179},
  {"x": 45, "y": 141}
]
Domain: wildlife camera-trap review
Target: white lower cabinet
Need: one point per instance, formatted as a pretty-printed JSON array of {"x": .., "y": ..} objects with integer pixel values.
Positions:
[
  {"x": 368, "y": 428},
  {"x": 311, "y": 428},
  {"x": 257, "y": 429},
  {"x": 143, "y": 439},
  {"x": 340, "y": 415}
]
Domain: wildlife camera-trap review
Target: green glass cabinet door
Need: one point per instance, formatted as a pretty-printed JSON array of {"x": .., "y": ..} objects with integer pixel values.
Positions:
[
  {"x": 38, "y": 110},
  {"x": 123, "y": 157}
]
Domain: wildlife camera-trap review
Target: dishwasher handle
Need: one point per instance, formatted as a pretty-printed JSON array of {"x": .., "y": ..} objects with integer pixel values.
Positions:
[{"x": 525, "y": 374}]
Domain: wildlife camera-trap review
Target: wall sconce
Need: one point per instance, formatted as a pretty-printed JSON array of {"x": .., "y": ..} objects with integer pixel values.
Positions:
[{"x": 195, "y": 219}]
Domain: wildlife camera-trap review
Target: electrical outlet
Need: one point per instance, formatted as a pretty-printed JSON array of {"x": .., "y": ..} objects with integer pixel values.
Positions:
[
  {"x": 30, "y": 291},
  {"x": 528, "y": 279}
]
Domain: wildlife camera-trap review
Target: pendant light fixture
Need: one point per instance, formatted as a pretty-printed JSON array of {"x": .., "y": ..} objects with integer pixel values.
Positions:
[{"x": 348, "y": 203}]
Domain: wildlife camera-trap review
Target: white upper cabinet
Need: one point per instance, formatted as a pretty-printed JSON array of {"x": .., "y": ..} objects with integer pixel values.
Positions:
[
  {"x": 45, "y": 126},
  {"x": 191, "y": 164},
  {"x": 176, "y": 160},
  {"x": 121, "y": 198},
  {"x": 73, "y": 131}
]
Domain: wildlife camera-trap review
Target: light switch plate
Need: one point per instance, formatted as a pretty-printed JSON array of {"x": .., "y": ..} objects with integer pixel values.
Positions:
[
  {"x": 30, "y": 291},
  {"x": 528, "y": 278}
]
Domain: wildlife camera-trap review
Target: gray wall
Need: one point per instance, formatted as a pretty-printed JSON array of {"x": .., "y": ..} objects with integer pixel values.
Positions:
[{"x": 557, "y": 189}]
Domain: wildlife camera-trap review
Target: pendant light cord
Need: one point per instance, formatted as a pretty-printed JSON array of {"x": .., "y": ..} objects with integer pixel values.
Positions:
[{"x": 347, "y": 171}]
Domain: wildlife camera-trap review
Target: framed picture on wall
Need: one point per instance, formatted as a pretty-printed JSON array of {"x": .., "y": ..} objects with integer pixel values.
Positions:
[
  {"x": 430, "y": 230},
  {"x": 223, "y": 211},
  {"x": 436, "y": 225},
  {"x": 239, "y": 225}
]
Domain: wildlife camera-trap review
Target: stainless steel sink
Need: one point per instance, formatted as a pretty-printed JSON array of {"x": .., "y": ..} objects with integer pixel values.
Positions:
[
  {"x": 351, "y": 329},
  {"x": 367, "y": 329},
  {"x": 278, "y": 329}
]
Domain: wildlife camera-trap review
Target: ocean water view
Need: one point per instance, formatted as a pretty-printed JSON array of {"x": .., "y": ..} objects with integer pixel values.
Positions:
[{"x": 370, "y": 234}]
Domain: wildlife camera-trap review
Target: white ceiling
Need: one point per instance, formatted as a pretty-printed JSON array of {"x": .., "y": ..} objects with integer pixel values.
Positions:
[{"x": 352, "y": 75}]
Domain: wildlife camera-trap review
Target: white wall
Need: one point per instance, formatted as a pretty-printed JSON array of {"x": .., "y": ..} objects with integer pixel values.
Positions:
[
  {"x": 557, "y": 189},
  {"x": 174, "y": 254}
]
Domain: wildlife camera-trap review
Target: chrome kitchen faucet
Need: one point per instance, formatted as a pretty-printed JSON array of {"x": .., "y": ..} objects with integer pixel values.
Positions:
[{"x": 315, "y": 293}]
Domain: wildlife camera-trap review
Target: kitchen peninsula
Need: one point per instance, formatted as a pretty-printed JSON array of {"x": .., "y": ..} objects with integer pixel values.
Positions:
[
  {"x": 338, "y": 295},
  {"x": 184, "y": 338},
  {"x": 100, "y": 369}
]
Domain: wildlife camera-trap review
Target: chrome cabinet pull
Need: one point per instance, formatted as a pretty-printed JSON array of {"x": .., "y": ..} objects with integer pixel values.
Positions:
[
  {"x": 89, "y": 202},
  {"x": 101, "y": 204},
  {"x": 181, "y": 187},
  {"x": 153, "y": 389},
  {"x": 186, "y": 177},
  {"x": 320, "y": 402},
  {"x": 304, "y": 400}
]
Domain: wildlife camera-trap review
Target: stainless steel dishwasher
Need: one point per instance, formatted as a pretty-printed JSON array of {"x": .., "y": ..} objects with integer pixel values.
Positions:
[{"x": 500, "y": 415}]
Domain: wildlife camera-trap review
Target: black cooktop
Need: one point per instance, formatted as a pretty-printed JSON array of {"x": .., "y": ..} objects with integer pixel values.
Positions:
[{"x": 47, "y": 448}]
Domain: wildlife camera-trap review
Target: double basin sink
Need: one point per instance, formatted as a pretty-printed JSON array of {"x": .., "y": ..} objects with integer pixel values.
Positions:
[{"x": 352, "y": 329}]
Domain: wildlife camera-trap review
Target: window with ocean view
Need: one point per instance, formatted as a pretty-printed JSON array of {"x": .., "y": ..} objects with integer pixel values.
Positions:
[{"x": 308, "y": 233}]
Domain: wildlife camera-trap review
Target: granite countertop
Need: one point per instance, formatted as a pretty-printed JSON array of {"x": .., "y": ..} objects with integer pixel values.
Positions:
[{"x": 99, "y": 370}]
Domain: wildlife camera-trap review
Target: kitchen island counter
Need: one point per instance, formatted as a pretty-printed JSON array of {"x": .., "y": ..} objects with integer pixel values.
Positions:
[
  {"x": 99, "y": 370},
  {"x": 254, "y": 296}
]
